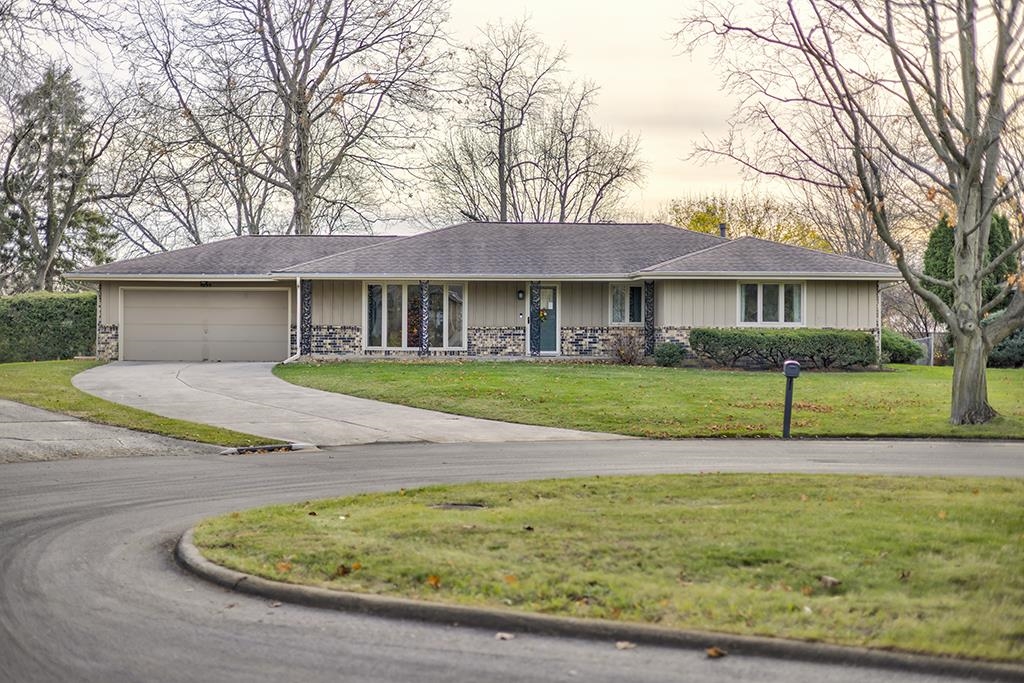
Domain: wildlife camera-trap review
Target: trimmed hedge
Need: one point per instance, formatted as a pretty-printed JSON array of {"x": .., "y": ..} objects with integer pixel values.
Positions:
[
  {"x": 669, "y": 354},
  {"x": 47, "y": 326},
  {"x": 772, "y": 347},
  {"x": 899, "y": 349}
]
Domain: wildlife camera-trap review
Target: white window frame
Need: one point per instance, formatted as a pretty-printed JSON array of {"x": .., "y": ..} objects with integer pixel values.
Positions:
[
  {"x": 611, "y": 306},
  {"x": 782, "y": 303},
  {"x": 404, "y": 284}
]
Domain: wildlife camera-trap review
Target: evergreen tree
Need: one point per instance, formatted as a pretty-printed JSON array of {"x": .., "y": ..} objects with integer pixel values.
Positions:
[
  {"x": 48, "y": 220},
  {"x": 938, "y": 260}
]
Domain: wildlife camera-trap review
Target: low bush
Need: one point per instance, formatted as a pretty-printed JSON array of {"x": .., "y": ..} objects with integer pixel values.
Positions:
[
  {"x": 1009, "y": 353},
  {"x": 899, "y": 349},
  {"x": 627, "y": 346},
  {"x": 669, "y": 354},
  {"x": 771, "y": 347},
  {"x": 47, "y": 326}
]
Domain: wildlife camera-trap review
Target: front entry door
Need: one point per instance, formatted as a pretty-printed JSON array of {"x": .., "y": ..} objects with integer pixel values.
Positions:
[{"x": 548, "y": 320}]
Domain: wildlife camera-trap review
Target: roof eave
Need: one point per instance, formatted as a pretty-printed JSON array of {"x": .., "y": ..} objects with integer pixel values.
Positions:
[
  {"x": 182, "y": 277},
  {"x": 763, "y": 275}
]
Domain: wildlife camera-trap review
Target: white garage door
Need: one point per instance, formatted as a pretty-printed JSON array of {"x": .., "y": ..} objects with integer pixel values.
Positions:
[{"x": 204, "y": 324}]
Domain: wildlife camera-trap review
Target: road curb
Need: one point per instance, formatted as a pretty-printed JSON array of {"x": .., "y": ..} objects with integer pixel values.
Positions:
[{"x": 189, "y": 557}]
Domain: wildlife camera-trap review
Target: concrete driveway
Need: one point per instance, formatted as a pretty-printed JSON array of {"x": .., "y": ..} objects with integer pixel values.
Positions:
[
  {"x": 28, "y": 434},
  {"x": 247, "y": 397}
]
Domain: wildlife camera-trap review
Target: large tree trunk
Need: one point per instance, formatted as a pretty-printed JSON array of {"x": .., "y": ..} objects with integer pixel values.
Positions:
[
  {"x": 302, "y": 187},
  {"x": 970, "y": 386}
]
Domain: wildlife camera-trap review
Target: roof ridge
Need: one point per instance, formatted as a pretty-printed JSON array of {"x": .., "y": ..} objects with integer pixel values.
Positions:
[
  {"x": 725, "y": 241},
  {"x": 395, "y": 239}
]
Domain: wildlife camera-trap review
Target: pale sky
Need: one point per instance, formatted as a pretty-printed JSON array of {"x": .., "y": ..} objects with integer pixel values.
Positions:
[{"x": 648, "y": 86}]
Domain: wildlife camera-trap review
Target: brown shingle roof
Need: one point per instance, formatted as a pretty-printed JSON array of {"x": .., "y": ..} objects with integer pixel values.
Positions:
[
  {"x": 236, "y": 256},
  {"x": 517, "y": 249},
  {"x": 753, "y": 256}
]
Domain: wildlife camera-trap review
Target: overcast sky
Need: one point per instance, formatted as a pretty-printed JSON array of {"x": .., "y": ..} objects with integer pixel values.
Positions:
[{"x": 648, "y": 86}]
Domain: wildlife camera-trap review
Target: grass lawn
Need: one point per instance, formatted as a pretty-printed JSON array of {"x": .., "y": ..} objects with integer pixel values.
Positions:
[
  {"x": 926, "y": 564},
  {"x": 905, "y": 401},
  {"x": 48, "y": 385}
]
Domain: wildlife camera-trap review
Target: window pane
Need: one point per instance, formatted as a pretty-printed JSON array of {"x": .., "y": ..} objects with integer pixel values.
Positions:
[
  {"x": 455, "y": 315},
  {"x": 374, "y": 315},
  {"x": 748, "y": 303},
  {"x": 395, "y": 316},
  {"x": 618, "y": 303},
  {"x": 769, "y": 303},
  {"x": 435, "y": 320},
  {"x": 412, "y": 316},
  {"x": 636, "y": 304},
  {"x": 793, "y": 303}
]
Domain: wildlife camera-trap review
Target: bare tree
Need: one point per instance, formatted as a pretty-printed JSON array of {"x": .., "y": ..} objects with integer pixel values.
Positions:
[
  {"x": 338, "y": 83},
  {"x": 886, "y": 76},
  {"x": 528, "y": 149}
]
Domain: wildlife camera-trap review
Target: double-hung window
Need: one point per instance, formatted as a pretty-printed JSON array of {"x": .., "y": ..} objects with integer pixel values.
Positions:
[
  {"x": 627, "y": 304},
  {"x": 772, "y": 304},
  {"x": 394, "y": 316}
]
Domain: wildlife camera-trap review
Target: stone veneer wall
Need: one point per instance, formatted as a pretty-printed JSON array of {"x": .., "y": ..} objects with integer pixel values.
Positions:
[
  {"x": 673, "y": 334},
  {"x": 496, "y": 341},
  {"x": 107, "y": 340},
  {"x": 589, "y": 341}
]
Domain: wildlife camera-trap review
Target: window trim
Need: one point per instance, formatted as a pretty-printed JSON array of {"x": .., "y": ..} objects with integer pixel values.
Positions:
[
  {"x": 404, "y": 284},
  {"x": 628, "y": 284},
  {"x": 782, "y": 303}
]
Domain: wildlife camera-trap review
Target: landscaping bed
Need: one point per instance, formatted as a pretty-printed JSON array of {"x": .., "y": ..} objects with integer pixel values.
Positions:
[
  {"x": 928, "y": 565},
  {"x": 653, "y": 402}
]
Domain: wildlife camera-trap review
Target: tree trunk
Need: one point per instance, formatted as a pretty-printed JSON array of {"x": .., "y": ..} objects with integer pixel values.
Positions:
[
  {"x": 302, "y": 188},
  {"x": 502, "y": 174},
  {"x": 970, "y": 386}
]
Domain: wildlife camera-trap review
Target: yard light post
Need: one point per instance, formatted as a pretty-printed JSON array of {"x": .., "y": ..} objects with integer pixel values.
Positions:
[{"x": 791, "y": 369}]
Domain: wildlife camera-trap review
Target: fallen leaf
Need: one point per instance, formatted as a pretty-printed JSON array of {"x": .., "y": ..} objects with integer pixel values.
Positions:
[
  {"x": 803, "y": 498},
  {"x": 284, "y": 567},
  {"x": 501, "y": 635},
  {"x": 942, "y": 514},
  {"x": 905, "y": 575},
  {"x": 807, "y": 590},
  {"x": 356, "y": 566},
  {"x": 312, "y": 513},
  {"x": 434, "y": 581},
  {"x": 527, "y": 527},
  {"x": 715, "y": 652},
  {"x": 275, "y": 604},
  {"x": 511, "y": 579},
  {"x": 625, "y": 645},
  {"x": 401, "y": 492},
  {"x": 342, "y": 570}
]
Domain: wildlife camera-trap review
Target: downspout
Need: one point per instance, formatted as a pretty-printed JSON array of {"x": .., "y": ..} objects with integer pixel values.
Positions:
[{"x": 298, "y": 326}]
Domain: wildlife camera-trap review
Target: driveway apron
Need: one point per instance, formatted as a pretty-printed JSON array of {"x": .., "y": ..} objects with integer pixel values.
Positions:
[{"x": 247, "y": 397}]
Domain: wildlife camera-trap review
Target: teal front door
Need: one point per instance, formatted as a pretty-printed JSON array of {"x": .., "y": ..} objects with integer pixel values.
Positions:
[{"x": 548, "y": 320}]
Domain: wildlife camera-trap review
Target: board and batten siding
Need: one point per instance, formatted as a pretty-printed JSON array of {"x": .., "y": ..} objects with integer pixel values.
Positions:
[
  {"x": 110, "y": 293},
  {"x": 338, "y": 303},
  {"x": 583, "y": 304},
  {"x": 844, "y": 305},
  {"x": 695, "y": 303},
  {"x": 494, "y": 304}
]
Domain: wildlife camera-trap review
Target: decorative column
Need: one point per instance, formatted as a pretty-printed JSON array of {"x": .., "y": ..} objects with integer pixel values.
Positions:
[
  {"x": 306, "y": 317},
  {"x": 534, "y": 318},
  {"x": 424, "y": 317},
  {"x": 649, "y": 312}
]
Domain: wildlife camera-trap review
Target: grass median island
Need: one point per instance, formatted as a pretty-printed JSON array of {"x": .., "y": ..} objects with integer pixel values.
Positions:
[
  {"x": 47, "y": 385},
  {"x": 927, "y": 565},
  {"x": 652, "y": 402}
]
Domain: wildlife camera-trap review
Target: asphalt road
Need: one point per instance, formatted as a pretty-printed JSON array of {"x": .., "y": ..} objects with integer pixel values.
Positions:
[{"x": 89, "y": 590}]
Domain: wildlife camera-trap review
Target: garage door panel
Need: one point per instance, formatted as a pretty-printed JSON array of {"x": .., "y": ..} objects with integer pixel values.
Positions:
[{"x": 210, "y": 324}]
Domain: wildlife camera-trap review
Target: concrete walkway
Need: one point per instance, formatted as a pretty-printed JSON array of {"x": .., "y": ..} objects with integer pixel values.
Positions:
[
  {"x": 28, "y": 434},
  {"x": 247, "y": 397}
]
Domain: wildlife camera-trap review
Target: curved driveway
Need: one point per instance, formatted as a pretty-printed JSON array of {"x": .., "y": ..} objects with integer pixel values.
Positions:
[
  {"x": 89, "y": 592},
  {"x": 247, "y": 397}
]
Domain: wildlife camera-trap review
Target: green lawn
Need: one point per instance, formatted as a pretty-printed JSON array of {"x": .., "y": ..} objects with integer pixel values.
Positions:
[
  {"x": 905, "y": 401},
  {"x": 926, "y": 564},
  {"x": 48, "y": 385}
]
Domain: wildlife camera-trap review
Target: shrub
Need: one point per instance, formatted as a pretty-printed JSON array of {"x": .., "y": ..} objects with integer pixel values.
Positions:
[
  {"x": 899, "y": 349},
  {"x": 772, "y": 347},
  {"x": 1008, "y": 353},
  {"x": 669, "y": 354},
  {"x": 628, "y": 346},
  {"x": 47, "y": 326}
]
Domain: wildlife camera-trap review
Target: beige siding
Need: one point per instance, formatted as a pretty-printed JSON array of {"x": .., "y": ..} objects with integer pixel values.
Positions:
[
  {"x": 846, "y": 305},
  {"x": 695, "y": 303},
  {"x": 110, "y": 293},
  {"x": 494, "y": 304},
  {"x": 584, "y": 304},
  {"x": 337, "y": 302}
]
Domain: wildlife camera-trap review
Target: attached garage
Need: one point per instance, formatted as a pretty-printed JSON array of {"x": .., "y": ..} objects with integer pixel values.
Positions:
[{"x": 204, "y": 324}]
